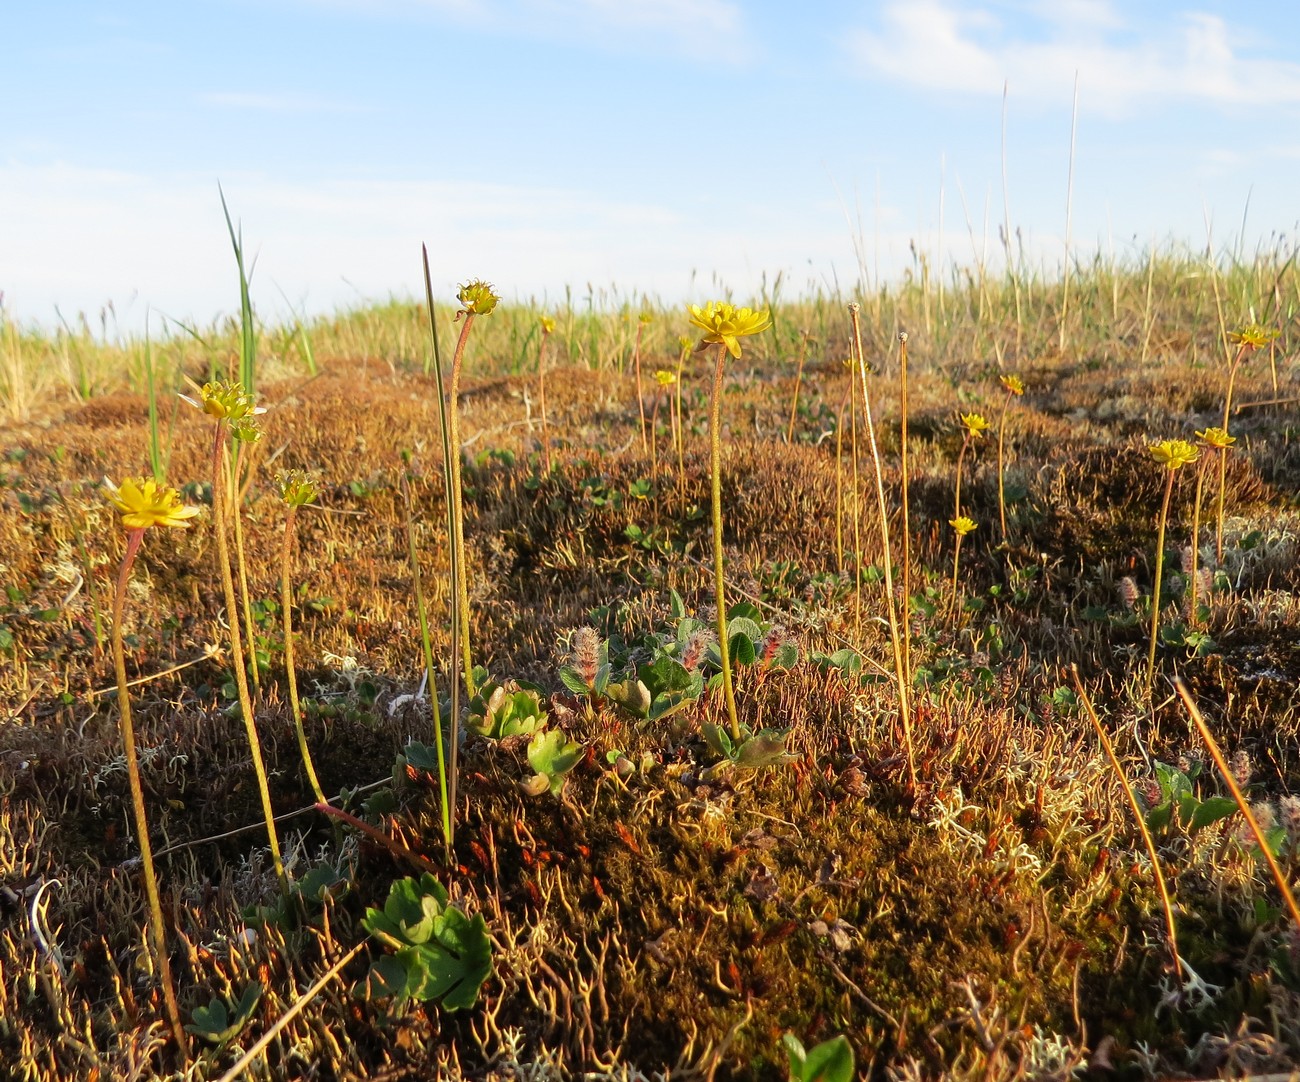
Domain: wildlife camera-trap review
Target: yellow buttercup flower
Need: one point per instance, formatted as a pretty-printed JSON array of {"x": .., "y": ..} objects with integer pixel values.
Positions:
[
  {"x": 1216, "y": 437},
  {"x": 665, "y": 378},
  {"x": 548, "y": 325},
  {"x": 225, "y": 400},
  {"x": 962, "y": 525},
  {"x": 1014, "y": 384},
  {"x": 685, "y": 341},
  {"x": 975, "y": 424},
  {"x": 1173, "y": 454},
  {"x": 296, "y": 488},
  {"x": 645, "y": 317},
  {"x": 725, "y": 323},
  {"x": 1253, "y": 336},
  {"x": 477, "y": 298},
  {"x": 144, "y": 503}
]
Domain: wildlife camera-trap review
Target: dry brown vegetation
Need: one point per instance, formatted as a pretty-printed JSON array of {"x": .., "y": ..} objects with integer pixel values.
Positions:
[{"x": 675, "y": 919}]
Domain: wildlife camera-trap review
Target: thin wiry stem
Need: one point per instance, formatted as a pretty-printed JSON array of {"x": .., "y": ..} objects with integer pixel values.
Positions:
[
  {"x": 1155, "y": 586},
  {"x": 286, "y": 611},
  {"x": 907, "y": 520},
  {"x": 219, "y": 476},
  {"x": 1219, "y": 761},
  {"x": 457, "y": 500},
  {"x": 1166, "y": 904},
  {"x": 719, "y": 580},
  {"x": 250, "y": 637},
  {"x": 904, "y": 690},
  {"x": 157, "y": 930}
]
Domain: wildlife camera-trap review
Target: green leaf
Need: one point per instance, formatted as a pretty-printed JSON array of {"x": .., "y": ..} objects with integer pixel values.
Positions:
[
  {"x": 744, "y": 610},
  {"x": 677, "y": 607},
  {"x": 830, "y": 1061},
  {"x": 554, "y": 755},
  {"x": 765, "y": 748},
  {"x": 388, "y": 976},
  {"x": 1158, "y": 817},
  {"x": 572, "y": 679},
  {"x": 214, "y": 1023},
  {"x": 717, "y": 738},
  {"x": 1211, "y": 811},
  {"x": 743, "y": 625}
]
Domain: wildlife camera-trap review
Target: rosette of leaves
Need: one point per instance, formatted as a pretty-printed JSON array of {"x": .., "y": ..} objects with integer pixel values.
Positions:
[
  {"x": 552, "y": 755},
  {"x": 222, "y": 1020},
  {"x": 440, "y": 954},
  {"x": 499, "y": 711},
  {"x": 1178, "y": 797},
  {"x": 658, "y": 688}
]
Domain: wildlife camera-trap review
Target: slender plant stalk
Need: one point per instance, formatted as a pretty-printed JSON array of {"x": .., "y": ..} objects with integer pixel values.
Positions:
[
  {"x": 1217, "y": 754},
  {"x": 541, "y": 398},
  {"x": 457, "y": 497},
  {"x": 1223, "y": 457},
  {"x": 903, "y": 496},
  {"x": 1002, "y": 464},
  {"x": 798, "y": 379},
  {"x": 680, "y": 435},
  {"x": 1166, "y": 904},
  {"x": 640, "y": 394},
  {"x": 904, "y": 691},
  {"x": 426, "y": 644},
  {"x": 219, "y": 479},
  {"x": 448, "y": 459},
  {"x": 839, "y": 478},
  {"x": 961, "y": 457},
  {"x": 157, "y": 930},
  {"x": 719, "y": 581},
  {"x": 291, "y": 672},
  {"x": 236, "y": 515},
  {"x": 1192, "y": 614},
  {"x": 857, "y": 514},
  {"x": 1155, "y": 586},
  {"x": 956, "y": 561}
]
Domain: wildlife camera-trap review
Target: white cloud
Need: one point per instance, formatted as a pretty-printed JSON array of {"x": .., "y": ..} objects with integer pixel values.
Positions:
[{"x": 940, "y": 45}]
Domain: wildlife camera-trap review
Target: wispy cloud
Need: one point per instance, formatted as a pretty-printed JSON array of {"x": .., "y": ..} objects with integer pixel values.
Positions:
[{"x": 943, "y": 46}]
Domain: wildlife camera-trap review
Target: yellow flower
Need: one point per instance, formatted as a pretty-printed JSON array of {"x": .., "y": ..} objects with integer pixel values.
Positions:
[
  {"x": 548, "y": 325},
  {"x": 1174, "y": 453},
  {"x": 962, "y": 525},
  {"x": 646, "y": 317},
  {"x": 975, "y": 425},
  {"x": 296, "y": 488},
  {"x": 1014, "y": 384},
  {"x": 1253, "y": 336},
  {"x": 686, "y": 342},
  {"x": 477, "y": 298},
  {"x": 1217, "y": 437},
  {"x": 226, "y": 401},
  {"x": 725, "y": 323},
  {"x": 143, "y": 504},
  {"x": 665, "y": 378}
]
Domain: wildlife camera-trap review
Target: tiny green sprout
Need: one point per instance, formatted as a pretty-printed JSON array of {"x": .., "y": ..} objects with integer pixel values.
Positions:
[
  {"x": 499, "y": 711},
  {"x": 221, "y": 1021},
  {"x": 830, "y": 1061},
  {"x": 477, "y": 298},
  {"x": 552, "y": 755},
  {"x": 297, "y": 488}
]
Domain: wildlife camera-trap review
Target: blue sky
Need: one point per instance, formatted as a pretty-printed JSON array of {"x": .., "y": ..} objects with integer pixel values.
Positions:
[{"x": 674, "y": 147}]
